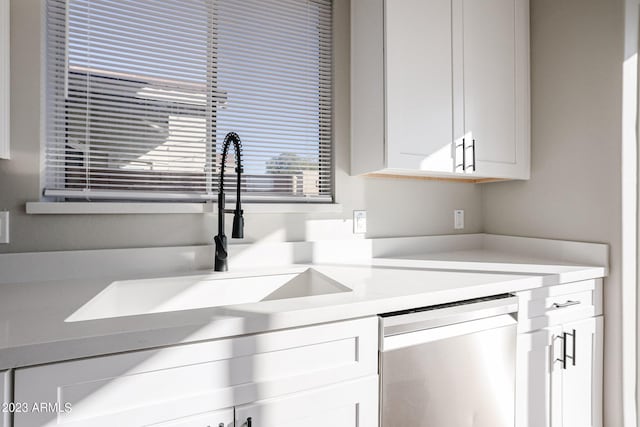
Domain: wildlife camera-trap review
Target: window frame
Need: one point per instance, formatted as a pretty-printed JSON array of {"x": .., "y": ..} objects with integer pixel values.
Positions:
[{"x": 89, "y": 204}]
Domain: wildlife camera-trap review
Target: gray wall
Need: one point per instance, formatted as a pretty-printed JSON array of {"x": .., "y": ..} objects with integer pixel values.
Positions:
[
  {"x": 575, "y": 187},
  {"x": 395, "y": 207}
]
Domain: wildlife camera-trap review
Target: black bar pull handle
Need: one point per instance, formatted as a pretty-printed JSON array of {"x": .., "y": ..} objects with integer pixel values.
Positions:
[
  {"x": 565, "y": 355},
  {"x": 573, "y": 346},
  {"x": 464, "y": 155},
  {"x": 563, "y": 359},
  {"x": 249, "y": 422},
  {"x": 473, "y": 151}
]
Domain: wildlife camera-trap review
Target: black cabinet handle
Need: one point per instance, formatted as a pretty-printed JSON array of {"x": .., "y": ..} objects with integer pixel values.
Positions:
[
  {"x": 464, "y": 155},
  {"x": 573, "y": 345},
  {"x": 563, "y": 359},
  {"x": 249, "y": 422},
  {"x": 473, "y": 151},
  {"x": 565, "y": 354},
  {"x": 464, "y": 165}
]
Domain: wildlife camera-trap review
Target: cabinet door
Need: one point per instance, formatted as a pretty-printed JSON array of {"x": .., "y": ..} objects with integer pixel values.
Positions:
[
  {"x": 348, "y": 404},
  {"x": 539, "y": 378},
  {"x": 491, "y": 50},
  {"x": 582, "y": 378},
  {"x": 419, "y": 85}
]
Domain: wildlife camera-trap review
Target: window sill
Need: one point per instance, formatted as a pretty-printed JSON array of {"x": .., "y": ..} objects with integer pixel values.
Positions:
[{"x": 107, "y": 208}]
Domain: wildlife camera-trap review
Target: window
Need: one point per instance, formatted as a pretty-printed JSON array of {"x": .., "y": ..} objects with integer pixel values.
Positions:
[{"x": 141, "y": 93}]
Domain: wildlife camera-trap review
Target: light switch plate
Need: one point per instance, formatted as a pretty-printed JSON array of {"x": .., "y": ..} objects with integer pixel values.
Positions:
[
  {"x": 458, "y": 219},
  {"x": 359, "y": 222},
  {"x": 4, "y": 227}
]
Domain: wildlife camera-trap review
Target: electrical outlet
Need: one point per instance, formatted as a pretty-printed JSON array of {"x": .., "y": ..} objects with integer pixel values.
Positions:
[
  {"x": 4, "y": 227},
  {"x": 359, "y": 222},
  {"x": 458, "y": 219}
]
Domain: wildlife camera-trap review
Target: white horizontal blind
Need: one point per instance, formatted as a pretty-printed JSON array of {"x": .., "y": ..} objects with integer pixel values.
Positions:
[{"x": 140, "y": 94}]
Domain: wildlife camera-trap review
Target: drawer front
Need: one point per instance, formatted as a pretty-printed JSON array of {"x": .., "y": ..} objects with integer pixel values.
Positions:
[
  {"x": 552, "y": 304},
  {"x": 154, "y": 386},
  {"x": 540, "y": 308}
]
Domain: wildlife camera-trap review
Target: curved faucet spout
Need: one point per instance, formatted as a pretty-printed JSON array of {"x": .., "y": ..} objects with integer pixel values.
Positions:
[
  {"x": 238, "y": 219},
  {"x": 231, "y": 138}
]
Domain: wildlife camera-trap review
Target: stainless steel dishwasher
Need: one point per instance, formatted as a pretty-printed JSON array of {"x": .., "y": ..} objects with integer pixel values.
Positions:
[{"x": 450, "y": 365}]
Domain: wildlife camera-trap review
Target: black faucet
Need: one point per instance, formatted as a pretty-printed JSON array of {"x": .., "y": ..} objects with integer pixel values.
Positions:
[{"x": 238, "y": 221}]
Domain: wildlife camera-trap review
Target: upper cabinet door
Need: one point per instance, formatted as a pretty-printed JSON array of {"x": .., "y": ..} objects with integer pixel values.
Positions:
[
  {"x": 418, "y": 91},
  {"x": 491, "y": 52}
]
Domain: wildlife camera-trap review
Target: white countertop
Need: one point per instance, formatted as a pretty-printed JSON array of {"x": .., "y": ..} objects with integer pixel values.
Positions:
[
  {"x": 35, "y": 326},
  {"x": 495, "y": 261}
]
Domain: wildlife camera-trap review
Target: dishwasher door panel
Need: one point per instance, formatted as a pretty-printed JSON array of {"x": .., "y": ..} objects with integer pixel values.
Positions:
[{"x": 460, "y": 381}]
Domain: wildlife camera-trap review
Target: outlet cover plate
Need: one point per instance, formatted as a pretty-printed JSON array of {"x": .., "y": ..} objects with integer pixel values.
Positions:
[
  {"x": 359, "y": 222},
  {"x": 458, "y": 219}
]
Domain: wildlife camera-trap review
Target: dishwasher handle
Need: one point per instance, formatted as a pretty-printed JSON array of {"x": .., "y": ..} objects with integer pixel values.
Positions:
[
  {"x": 434, "y": 318},
  {"x": 425, "y": 336}
]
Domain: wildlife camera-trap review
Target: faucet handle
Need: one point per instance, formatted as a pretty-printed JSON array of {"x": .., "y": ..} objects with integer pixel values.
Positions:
[
  {"x": 221, "y": 250},
  {"x": 238, "y": 225}
]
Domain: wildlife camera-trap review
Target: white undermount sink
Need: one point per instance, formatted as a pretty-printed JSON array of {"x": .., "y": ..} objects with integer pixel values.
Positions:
[{"x": 145, "y": 296}]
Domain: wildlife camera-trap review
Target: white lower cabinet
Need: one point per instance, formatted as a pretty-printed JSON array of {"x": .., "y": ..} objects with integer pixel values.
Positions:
[
  {"x": 200, "y": 384},
  {"x": 582, "y": 378},
  {"x": 314, "y": 376},
  {"x": 559, "y": 378},
  {"x": 348, "y": 404}
]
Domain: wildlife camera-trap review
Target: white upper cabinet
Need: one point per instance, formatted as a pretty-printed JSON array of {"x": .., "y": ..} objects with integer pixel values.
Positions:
[
  {"x": 418, "y": 85},
  {"x": 440, "y": 88},
  {"x": 4, "y": 79},
  {"x": 492, "y": 86}
]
